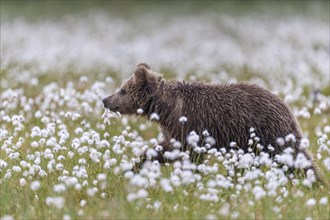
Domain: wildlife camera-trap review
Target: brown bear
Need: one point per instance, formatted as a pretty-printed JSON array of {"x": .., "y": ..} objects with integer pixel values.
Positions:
[{"x": 227, "y": 112}]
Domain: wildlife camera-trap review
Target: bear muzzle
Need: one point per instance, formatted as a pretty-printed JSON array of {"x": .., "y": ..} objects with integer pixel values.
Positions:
[
  {"x": 108, "y": 103},
  {"x": 104, "y": 102}
]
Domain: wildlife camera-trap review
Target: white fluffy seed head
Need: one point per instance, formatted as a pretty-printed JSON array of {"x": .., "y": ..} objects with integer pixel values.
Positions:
[
  {"x": 35, "y": 185},
  {"x": 183, "y": 119},
  {"x": 139, "y": 111},
  {"x": 154, "y": 116}
]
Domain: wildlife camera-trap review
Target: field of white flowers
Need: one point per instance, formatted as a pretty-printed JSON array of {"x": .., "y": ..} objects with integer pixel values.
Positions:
[{"x": 59, "y": 158}]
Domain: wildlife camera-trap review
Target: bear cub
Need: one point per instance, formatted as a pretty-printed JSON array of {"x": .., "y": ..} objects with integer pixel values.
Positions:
[{"x": 221, "y": 116}]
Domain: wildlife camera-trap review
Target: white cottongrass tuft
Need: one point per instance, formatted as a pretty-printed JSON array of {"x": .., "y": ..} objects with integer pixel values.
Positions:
[
  {"x": 193, "y": 138},
  {"x": 290, "y": 138},
  {"x": 139, "y": 111},
  {"x": 225, "y": 210},
  {"x": 301, "y": 161},
  {"x": 57, "y": 202},
  {"x": 154, "y": 116},
  {"x": 259, "y": 192},
  {"x": 326, "y": 163},
  {"x": 35, "y": 185},
  {"x": 304, "y": 143},
  {"x": 166, "y": 186},
  {"x": 7, "y": 217},
  {"x": 232, "y": 144},
  {"x": 22, "y": 182},
  {"x": 245, "y": 161},
  {"x": 107, "y": 115},
  {"x": 66, "y": 217},
  {"x": 59, "y": 188},
  {"x": 280, "y": 141},
  {"x": 323, "y": 201},
  {"x": 101, "y": 177},
  {"x": 183, "y": 119},
  {"x": 311, "y": 202}
]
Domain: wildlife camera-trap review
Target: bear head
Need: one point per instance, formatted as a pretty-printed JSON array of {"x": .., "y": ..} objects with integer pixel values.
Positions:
[{"x": 136, "y": 92}]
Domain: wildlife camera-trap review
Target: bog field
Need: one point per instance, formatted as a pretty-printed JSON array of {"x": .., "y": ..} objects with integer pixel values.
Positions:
[{"x": 62, "y": 157}]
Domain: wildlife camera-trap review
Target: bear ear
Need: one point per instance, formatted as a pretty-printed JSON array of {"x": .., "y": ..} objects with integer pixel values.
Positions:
[
  {"x": 143, "y": 64},
  {"x": 145, "y": 80},
  {"x": 141, "y": 75}
]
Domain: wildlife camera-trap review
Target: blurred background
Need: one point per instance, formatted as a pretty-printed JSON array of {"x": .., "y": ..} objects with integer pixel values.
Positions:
[{"x": 267, "y": 42}]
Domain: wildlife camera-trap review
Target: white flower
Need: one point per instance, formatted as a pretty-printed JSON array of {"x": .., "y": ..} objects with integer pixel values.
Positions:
[
  {"x": 172, "y": 155},
  {"x": 165, "y": 184},
  {"x": 58, "y": 202},
  {"x": 16, "y": 169},
  {"x": 126, "y": 166},
  {"x": 142, "y": 193},
  {"x": 233, "y": 144},
  {"x": 157, "y": 205},
  {"x": 310, "y": 202},
  {"x": 151, "y": 153},
  {"x": 138, "y": 180},
  {"x": 290, "y": 138},
  {"x": 83, "y": 202},
  {"x": 280, "y": 141},
  {"x": 211, "y": 217},
  {"x": 245, "y": 161},
  {"x": 59, "y": 188},
  {"x": 210, "y": 140},
  {"x": 176, "y": 144},
  {"x": 326, "y": 129},
  {"x": 35, "y": 185},
  {"x": 323, "y": 201},
  {"x": 34, "y": 144},
  {"x": 75, "y": 116},
  {"x": 175, "y": 180},
  {"x": 183, "y": 119},
  {"x": 285, "y": 159},
  {"x": 70, "y": 181},
  {"x": 301, "y": 162},
  {"x": 326, "y": 163},
  {"x": 158, "y": 148},
  {"x": 270, "y": 148},
  {"x": 7, "y": 217},
  {"x": 304, "y": 143},
  {"x": 206, "y": 133},
  {"x": 139, "y": 111},
  {"x": 22, "y": 182},
  {"x": 317, "y": 111},
  {"x": 192, "y": 138},
  {"x": 79, "y": 130},
  {"x": 92, "y": 191},
  {"x": 258, "y": 192},
  {"x": 59, "y": 166},
  {"x": 154, "y": 116},
  {"x": 225, "y": 210},
  {"x": 66, "y": 217},
  {"x": 101, "y": 177}
]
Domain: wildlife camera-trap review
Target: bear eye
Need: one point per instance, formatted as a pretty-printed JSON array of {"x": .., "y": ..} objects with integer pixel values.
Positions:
[{"x": 122, "y": 92}]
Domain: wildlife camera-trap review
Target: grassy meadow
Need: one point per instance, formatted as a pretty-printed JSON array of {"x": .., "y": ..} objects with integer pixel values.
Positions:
[{"x": 61, "y": 157}]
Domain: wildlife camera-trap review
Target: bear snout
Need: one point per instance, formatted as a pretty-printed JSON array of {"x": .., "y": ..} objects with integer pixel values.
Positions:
[
  {"x": 109, "y": 103},
  {"x": 105, "y": 102}
]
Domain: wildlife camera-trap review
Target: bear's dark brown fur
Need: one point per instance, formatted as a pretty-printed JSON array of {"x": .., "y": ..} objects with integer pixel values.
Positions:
[{"x": 227, "y": 111}]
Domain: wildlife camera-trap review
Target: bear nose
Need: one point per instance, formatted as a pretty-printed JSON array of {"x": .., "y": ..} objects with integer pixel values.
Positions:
[{"x": 104, "y": 101}]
